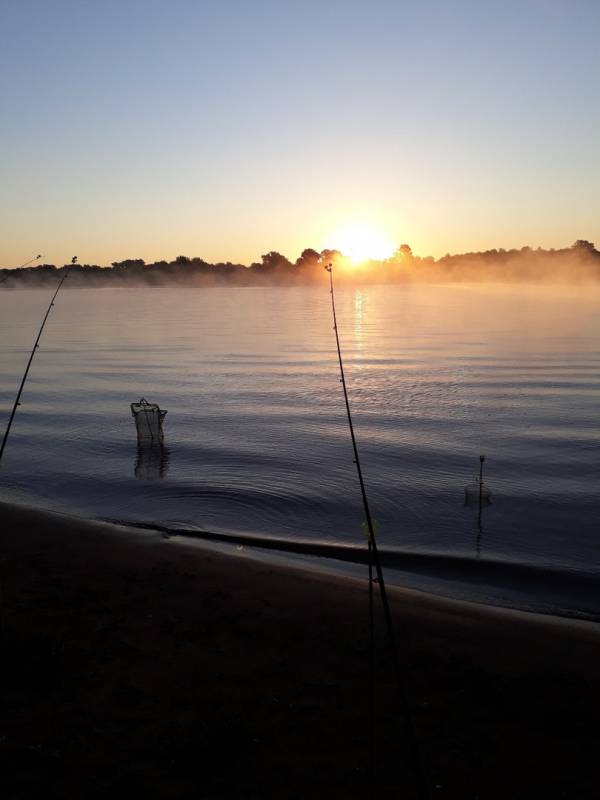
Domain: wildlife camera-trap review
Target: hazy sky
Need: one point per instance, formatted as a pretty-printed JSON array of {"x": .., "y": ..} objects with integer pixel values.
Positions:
[{"x": 151, "y": 128}]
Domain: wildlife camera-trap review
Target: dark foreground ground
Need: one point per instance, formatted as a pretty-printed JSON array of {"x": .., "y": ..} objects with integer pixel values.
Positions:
[{"x": 132, "y": 666}]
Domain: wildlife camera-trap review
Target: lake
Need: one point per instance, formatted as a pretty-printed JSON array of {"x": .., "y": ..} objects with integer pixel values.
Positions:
[{"x": 256, "y": 438}]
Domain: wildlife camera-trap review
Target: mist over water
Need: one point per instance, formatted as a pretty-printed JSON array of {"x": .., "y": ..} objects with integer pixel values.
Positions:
[{"x": 256, "y": 439}]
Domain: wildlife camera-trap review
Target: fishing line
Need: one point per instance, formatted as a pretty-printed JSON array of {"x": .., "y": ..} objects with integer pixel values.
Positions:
[
  {"x": 21, "y": 266},
  {"x": 17, "y": 402},
  {"x": 420, "y": 784}
]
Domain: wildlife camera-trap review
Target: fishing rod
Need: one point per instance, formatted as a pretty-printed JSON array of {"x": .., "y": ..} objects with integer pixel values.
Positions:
[
  {"x": 17, "y": 402},
  {"x": 21, "y": 266},
  {"x": 371, "y": 669},
  {"x": 420, "y": 784}
]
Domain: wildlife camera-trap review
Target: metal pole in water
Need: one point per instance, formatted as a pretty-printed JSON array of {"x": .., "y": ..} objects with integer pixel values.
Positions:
[
  {"x": 17, "y": 402},
  {"x": 374, "y": 552}
]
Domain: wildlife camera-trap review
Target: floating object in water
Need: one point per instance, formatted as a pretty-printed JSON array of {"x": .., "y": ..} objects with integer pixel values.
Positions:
[
  {"x": 148, "y": 421},
  {"x": 477, "y": 492}
]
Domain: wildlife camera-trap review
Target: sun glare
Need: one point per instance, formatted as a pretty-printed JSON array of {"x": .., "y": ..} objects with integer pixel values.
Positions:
[{"x": 362, "y": 242}]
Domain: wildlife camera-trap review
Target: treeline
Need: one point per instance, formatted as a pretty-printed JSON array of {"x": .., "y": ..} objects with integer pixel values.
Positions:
[{"x": 578, "y": 263}]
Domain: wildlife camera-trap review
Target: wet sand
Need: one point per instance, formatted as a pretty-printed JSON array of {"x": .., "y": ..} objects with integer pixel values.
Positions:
[{"x": 137, "y": 665}]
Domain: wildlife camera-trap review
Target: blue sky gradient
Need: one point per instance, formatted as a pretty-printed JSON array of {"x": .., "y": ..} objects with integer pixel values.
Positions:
[{"x": 225, "y": 129}]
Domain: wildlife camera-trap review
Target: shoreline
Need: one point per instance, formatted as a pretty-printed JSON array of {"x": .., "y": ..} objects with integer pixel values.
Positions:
[
  {"x": 441, "y": 575},
  {"x": 181, "y": 671},
  {"x": 450, "y": 570},
  {"x": 274, "y": 552}
]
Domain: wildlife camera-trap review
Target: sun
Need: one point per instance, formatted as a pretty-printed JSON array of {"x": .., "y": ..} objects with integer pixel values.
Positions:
[{"x": 362, "y": 242}]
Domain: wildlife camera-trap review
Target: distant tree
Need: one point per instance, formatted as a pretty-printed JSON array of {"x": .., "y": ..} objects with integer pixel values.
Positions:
[
  {"x": 331, "y": 257},
  {"x": 272, "y": 261},
  {"x": 583, "y": 246},
  {"x": 309, "y": 258},
  {"x": 403, "y": 255},
  {"x": 129, "y": 263},
  {"x": 274, "y": 268}
]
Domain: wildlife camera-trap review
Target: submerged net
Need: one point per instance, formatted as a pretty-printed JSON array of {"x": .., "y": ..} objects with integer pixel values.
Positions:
[
  {"x": 152, "y": 462},
  {"x": 148, "y": 421}
]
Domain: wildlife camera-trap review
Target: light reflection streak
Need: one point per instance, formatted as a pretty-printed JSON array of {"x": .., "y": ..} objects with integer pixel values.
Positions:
[{"x": 358, "y": 319}]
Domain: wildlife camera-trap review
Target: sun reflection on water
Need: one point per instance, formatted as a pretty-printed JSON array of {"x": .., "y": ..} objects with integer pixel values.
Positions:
[{"x": 358, "y": 319}]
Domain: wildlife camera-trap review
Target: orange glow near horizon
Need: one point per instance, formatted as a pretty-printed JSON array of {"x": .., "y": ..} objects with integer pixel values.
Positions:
[{"x": 362, "y": 242}]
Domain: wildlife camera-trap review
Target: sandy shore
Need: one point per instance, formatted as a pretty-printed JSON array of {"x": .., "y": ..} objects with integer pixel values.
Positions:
[{"x": 134, "y": 664}]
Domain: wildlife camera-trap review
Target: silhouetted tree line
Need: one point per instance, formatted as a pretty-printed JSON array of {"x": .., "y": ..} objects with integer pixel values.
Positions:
[{"x": 580, "y": 262}]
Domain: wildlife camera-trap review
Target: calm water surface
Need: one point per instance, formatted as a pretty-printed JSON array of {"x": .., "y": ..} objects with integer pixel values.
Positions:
[{"x": 256, "y": 437}]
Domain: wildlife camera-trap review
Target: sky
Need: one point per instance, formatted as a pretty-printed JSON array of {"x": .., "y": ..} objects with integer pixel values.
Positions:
[{"x": 154, "y": 128}]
